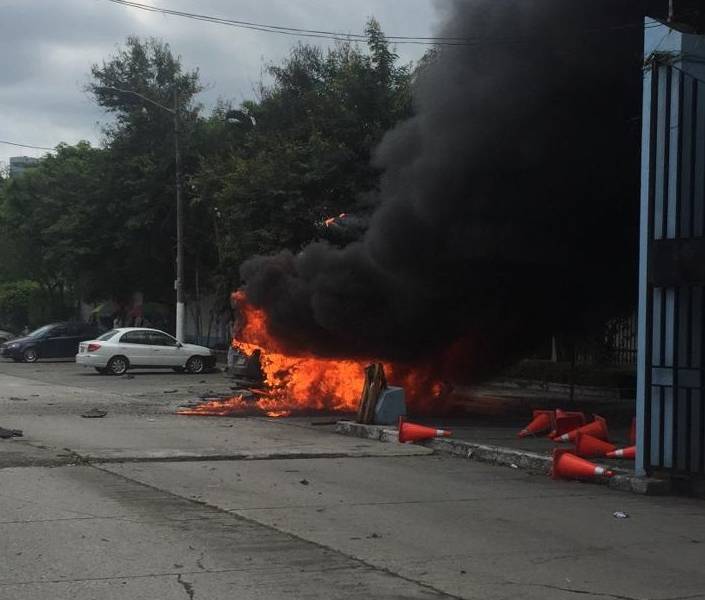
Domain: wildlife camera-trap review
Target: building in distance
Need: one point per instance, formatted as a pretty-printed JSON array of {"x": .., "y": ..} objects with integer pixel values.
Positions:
[{"x": 18, "y": 164}]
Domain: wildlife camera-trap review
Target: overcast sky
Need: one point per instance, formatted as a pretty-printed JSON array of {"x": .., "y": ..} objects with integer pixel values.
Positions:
[{"x": 48, "y": 46}]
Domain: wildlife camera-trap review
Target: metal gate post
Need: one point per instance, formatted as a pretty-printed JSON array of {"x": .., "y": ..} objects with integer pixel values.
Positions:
[{"x": 671, "y": 315}]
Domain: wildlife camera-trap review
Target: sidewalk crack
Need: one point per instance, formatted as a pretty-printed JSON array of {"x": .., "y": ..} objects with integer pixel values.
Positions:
[
  {"x": 596, "y": 594},
  {"x": 188, "y": 586}
]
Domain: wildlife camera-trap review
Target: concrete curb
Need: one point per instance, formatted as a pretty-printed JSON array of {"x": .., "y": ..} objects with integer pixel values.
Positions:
[
  {"x": 532, "y": 462},
  {"x": 178, "y": 456}
]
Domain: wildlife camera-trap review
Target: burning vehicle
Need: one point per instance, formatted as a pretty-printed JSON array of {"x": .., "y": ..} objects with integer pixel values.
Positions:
[{"x": 504, "y": 200}]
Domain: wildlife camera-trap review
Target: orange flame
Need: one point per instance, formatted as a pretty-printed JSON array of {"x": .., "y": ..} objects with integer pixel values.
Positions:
[
  {"x": 297, "y": 383},
  {"x": 331, "y": 220},
  {"x": 236, "y": 406}
]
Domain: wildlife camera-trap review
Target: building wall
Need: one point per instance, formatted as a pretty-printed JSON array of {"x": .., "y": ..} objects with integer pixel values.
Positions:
[{"x": 207, "y": 322}]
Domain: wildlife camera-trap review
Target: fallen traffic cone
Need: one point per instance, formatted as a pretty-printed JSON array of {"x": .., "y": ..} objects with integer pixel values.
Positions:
[
  {"x": 567, "y": 421},
  {"x": 628, "y": 453},
  {"x": 598, "y": 429},
  {"x": 587, "y": 445},
  {"x": 568, "y": 466},
  {"x": 542, "y": 422},
  {"x": 411, "y": 432},
  {"x": 632, "y": 432}
]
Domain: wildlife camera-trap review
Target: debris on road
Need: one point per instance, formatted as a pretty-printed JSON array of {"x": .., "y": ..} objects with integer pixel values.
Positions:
[
  {"x": 620, "y": 515},
  {"x": 17, "y": 399},
  {"x": 6, "y": 434},
  {"x": 375, "y": 384},
  {"x": 304, "y": 482},
  {"x": 170, "y": 391},
  {"x": 94, "y": 413}
]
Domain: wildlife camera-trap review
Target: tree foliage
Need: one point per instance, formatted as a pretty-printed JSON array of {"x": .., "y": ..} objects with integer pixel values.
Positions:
[
  {"x": 52, "y": 219},
  {"x": 17, "y": 301},
  {"x": 100, "y": 222},
  {"x": 139, "y": 179},
  {"x": 308, "y": 157}
]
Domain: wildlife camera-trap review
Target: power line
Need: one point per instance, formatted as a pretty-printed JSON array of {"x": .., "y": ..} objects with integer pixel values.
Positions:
[
  {"x": 340, "y": 36},
  {"x": 336, "y": 35},
  {"x": 25, "y": 145}
]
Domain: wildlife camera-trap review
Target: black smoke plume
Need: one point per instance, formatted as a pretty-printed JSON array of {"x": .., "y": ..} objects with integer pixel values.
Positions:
[{"x": 508, "y": 204}]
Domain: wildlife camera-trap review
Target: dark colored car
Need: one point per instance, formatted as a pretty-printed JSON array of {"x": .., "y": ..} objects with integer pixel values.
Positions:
[
  {"x": 57, "y": 340},
  {"x": 6, "y": 336}
]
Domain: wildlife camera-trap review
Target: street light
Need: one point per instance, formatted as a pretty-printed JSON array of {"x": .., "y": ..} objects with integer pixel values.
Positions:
[
  {"x": 241, "y": 118},
  {"x": 179, "y": 283}
]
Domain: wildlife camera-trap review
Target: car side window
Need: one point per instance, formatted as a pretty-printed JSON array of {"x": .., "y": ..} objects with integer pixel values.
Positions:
[
  {"x": 73, "y": 330},
  {"x": 58, "y": 332},
  {"x": 87, "y": 331},
  {"x": 134, "y": 337},
  {"x": 161, "y": 339}
]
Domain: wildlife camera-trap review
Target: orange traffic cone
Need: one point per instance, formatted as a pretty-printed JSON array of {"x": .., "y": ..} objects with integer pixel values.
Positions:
[
  {"x": 587, "y": 445},
  {"x": 632, "y": 432},
  {"x": 567, "y": 421},
  {"x": 411, "y": 432},
  {"x": 568, "y": 466},
  {"x": 542, "y": 422},
  {"x": 598, "y": 429},
  {"x": 629, "y": 453}
]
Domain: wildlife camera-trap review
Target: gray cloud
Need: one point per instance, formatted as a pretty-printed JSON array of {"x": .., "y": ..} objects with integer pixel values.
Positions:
[{"x": 47, "y": 48}]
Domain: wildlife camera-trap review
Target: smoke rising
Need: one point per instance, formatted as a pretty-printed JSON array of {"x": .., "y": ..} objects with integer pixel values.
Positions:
[{"x": 508, "y": 204}]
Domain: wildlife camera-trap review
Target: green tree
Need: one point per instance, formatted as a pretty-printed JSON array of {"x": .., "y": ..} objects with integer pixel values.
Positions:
[
  {"x": 309, "y": 155},
  {"x": 18, "y": 303},
  {"x": 140, "y": 176},
  {"x": 51, "y": 217},
  {"x": 100, "y": 223}
]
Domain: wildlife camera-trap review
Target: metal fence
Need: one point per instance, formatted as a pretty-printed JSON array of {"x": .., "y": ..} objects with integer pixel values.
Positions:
[{"x": 615, "y": 345}]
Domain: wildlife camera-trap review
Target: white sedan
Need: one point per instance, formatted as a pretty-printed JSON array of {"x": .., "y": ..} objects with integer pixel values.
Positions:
[{"x": 118, "y": 350}]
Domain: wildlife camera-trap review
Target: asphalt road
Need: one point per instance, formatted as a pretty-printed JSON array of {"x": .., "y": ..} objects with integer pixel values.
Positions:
[{"x": 147, "y": 504}]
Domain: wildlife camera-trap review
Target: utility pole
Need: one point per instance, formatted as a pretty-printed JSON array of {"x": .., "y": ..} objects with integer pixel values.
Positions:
[{"x": 179, "y": 283}]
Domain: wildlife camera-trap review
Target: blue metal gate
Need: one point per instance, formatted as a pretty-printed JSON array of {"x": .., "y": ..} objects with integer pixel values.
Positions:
[{"x": 671, "y": 363}]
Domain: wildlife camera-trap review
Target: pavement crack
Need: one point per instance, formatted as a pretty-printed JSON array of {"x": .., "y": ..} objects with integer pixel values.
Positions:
[
  {"x": 585, "y": 592},
  {"x": 188, "y": 586},
  {"x": 30, "y": 521}
]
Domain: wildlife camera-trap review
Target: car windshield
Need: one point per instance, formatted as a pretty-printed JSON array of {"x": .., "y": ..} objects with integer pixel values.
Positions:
[
  {"x": 41, "y": 331},
  {"x": 107, "y": 335}
]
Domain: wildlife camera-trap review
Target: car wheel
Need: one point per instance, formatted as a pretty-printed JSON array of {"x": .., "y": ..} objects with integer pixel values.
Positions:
[
  {"x": 30, "y": 355},
  {"x": 101, "y": 370},
  {"x": 195, "y": 365},
  {"x": 118, "y": 365}
]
